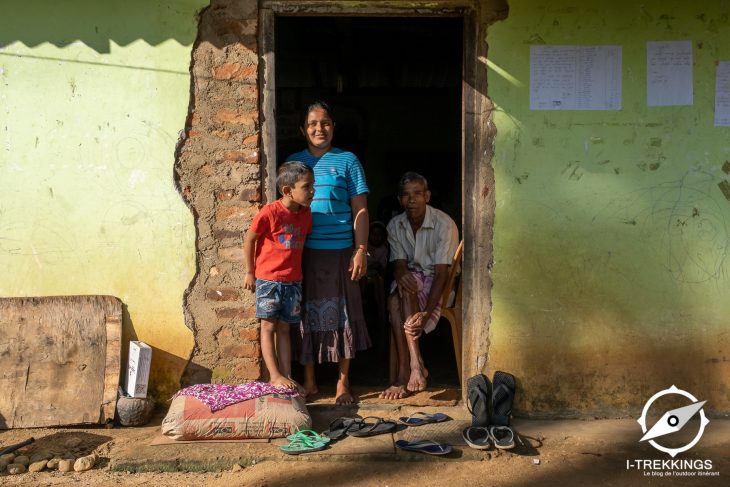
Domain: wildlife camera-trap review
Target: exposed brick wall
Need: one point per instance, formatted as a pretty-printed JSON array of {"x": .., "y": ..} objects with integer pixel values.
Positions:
[{"x": 218, "y": 173}]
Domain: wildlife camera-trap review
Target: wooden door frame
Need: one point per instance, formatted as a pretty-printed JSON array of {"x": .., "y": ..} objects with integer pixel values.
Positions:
[{"x": 477, "y": 138}]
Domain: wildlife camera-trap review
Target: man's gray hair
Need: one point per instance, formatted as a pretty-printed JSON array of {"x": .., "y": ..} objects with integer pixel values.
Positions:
[{"x": 411, "y": 177}]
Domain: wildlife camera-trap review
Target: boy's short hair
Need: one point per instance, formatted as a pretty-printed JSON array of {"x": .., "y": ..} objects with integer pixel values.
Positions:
[
  {"x": 291, "y": 172},
  {"x": 411, "y": 177}
]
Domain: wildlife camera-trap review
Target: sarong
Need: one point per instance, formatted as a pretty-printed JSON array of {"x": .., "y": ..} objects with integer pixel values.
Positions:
[
  {"x": 424, "y": 287},
  {"x": 333, "y": 324}
]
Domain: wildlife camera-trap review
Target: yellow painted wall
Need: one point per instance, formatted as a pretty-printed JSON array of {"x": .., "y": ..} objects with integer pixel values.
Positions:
[
  {"x": 611, "y": 275},
  {"x": 92, "y": 97}
]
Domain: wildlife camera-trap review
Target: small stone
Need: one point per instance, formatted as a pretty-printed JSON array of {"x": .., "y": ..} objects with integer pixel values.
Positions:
[
  {"x": 23, "y": 460},
  {"x": 236, "y": 467},
  {"x": 85, "y": 463},
  {"x": 37, "y": 466},
  {"x": 72, "y": 442},
  {"x": 16, "y": 468},
  {"x": 65, "y": 465},
  {"x": 8, "y": 456},
  {"x": 52, "y": 464},
  {"x": 134, "y": 411}
]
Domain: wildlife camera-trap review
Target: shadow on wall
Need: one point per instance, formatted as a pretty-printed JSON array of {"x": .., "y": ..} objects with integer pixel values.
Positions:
[
  {"x": 99, "y": 25},
  {"x": 165, "y": 369},
  {"x": 165, "y": 374}
]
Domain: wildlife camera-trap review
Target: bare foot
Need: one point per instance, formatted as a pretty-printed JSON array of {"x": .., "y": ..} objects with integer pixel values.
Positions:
[
  {"x": 310, "y": 389},
  {"x": 417, "y": 380},
  {"x": 343, "y": 395},
  {"x": 282, "y": 381},
  {"x": 396, "y": 391}
]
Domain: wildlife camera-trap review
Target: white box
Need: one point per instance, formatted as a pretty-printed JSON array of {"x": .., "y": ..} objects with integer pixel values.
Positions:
[{"x": 138, "y": 369}]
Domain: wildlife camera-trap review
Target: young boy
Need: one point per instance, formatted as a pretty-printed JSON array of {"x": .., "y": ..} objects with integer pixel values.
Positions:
[{"x": 276, "y": 237}]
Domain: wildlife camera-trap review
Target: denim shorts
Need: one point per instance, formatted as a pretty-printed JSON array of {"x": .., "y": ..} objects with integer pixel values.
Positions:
[{"x": 278, "y": 301}]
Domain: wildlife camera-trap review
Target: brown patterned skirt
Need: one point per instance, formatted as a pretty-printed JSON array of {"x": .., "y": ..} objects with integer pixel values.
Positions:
[{"x": 333, "y": 325}]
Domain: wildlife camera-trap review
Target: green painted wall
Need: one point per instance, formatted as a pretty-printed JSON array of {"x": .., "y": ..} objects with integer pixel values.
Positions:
[
  {"x": 92, "y": 97},
  {"x": 611, "y": 234},
  {"x": 611, "y": 275}
]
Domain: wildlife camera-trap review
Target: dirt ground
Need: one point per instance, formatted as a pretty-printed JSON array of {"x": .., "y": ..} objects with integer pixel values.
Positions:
[{"x": 561, "y": 453}]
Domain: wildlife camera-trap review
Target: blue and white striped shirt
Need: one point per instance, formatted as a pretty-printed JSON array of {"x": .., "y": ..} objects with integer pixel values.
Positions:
[{"x": 338, "y": 176}]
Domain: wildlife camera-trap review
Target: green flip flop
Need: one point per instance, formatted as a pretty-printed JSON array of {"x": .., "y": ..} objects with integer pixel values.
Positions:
[
  {"x": 304, "y": 443},
  {"x": 308, "y": 435}
]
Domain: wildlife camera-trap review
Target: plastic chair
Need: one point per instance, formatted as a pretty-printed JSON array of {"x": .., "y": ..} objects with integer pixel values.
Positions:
[{"x": 451, "y": 303}]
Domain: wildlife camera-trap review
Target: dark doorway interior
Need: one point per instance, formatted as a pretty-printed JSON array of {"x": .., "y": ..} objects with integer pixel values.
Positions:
[{"x": 395, "y": 87}]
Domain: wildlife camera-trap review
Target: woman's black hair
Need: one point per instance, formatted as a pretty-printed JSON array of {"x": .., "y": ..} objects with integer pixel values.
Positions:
[{"x": 316, "y": 105}]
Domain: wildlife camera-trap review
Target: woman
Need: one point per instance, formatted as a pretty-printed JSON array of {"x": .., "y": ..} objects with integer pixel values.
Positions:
[{"x": 335, "y": 255}]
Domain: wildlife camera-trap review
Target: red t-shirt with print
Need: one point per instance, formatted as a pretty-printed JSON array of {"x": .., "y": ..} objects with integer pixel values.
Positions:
[{"x": 281, "y": 234}]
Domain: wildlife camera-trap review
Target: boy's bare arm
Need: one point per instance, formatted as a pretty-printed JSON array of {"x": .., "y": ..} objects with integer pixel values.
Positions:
[{"x": 249, "y": 247}]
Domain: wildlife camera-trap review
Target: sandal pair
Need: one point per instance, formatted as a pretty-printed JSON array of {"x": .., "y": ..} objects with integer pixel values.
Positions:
[
  {"x": 357, "y": 427},
  {"x": 480, "y": 437},
  {"x": 491, "y": 403},
  {"x": 304, "y": 441}
]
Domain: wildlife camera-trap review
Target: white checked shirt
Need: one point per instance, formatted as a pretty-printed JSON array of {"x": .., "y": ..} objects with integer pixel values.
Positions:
[{"x": 434, "y": 243}]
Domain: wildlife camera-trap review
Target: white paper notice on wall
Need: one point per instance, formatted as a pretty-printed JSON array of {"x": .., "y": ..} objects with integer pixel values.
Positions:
[
  {"x": 575, "y": 77},
  {"x": 722, "y": 94},
  {"x": 669, "y": 73}
]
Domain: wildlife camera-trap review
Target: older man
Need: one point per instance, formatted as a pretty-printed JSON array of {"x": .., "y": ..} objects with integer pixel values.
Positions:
[{"x": 423, "y": 241}]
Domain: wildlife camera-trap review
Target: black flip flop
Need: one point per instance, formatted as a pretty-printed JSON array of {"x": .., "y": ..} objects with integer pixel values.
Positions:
[
  {"x": 365, "y": 428},
  {"x": 502, "y": 397},
  {"x": 478, "y": 395},
  {"x": 420, "y": 418},
  {"x": 338, "y": 427},
  {"x": 424, "y": 446},
  {"x": 476, "y": 437},
  {"x": 502, "y": 436}
]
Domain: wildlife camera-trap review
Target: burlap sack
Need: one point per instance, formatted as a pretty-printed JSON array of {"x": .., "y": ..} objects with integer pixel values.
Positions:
[{"x": 270, "y": 416}]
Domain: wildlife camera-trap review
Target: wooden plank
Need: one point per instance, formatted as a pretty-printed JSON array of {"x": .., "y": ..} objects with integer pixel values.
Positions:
[
  {"x": 478, "y": 189},
  {"x": 354, "y": 8},
  {"x": 59, "y": 360},
  {"x": 267, "y": 88}
]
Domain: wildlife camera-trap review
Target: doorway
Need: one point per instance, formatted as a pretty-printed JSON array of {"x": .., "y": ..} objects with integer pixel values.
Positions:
[{"x": 395, "y": 84}]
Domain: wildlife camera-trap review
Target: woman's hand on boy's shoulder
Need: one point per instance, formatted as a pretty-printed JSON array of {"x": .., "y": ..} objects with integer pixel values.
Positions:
[{"x": 249, "y": 282}]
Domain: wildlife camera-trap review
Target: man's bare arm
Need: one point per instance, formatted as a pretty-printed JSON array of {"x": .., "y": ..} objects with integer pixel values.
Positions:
[
  {"x": 440, "y": 276},
  {"x": 414, "y": 324},
  {"x": 403, "y": 277}
]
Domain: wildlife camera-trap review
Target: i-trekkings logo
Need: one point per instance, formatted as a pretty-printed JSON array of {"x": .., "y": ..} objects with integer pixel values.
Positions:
[{"x": 673, "y": 421}]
